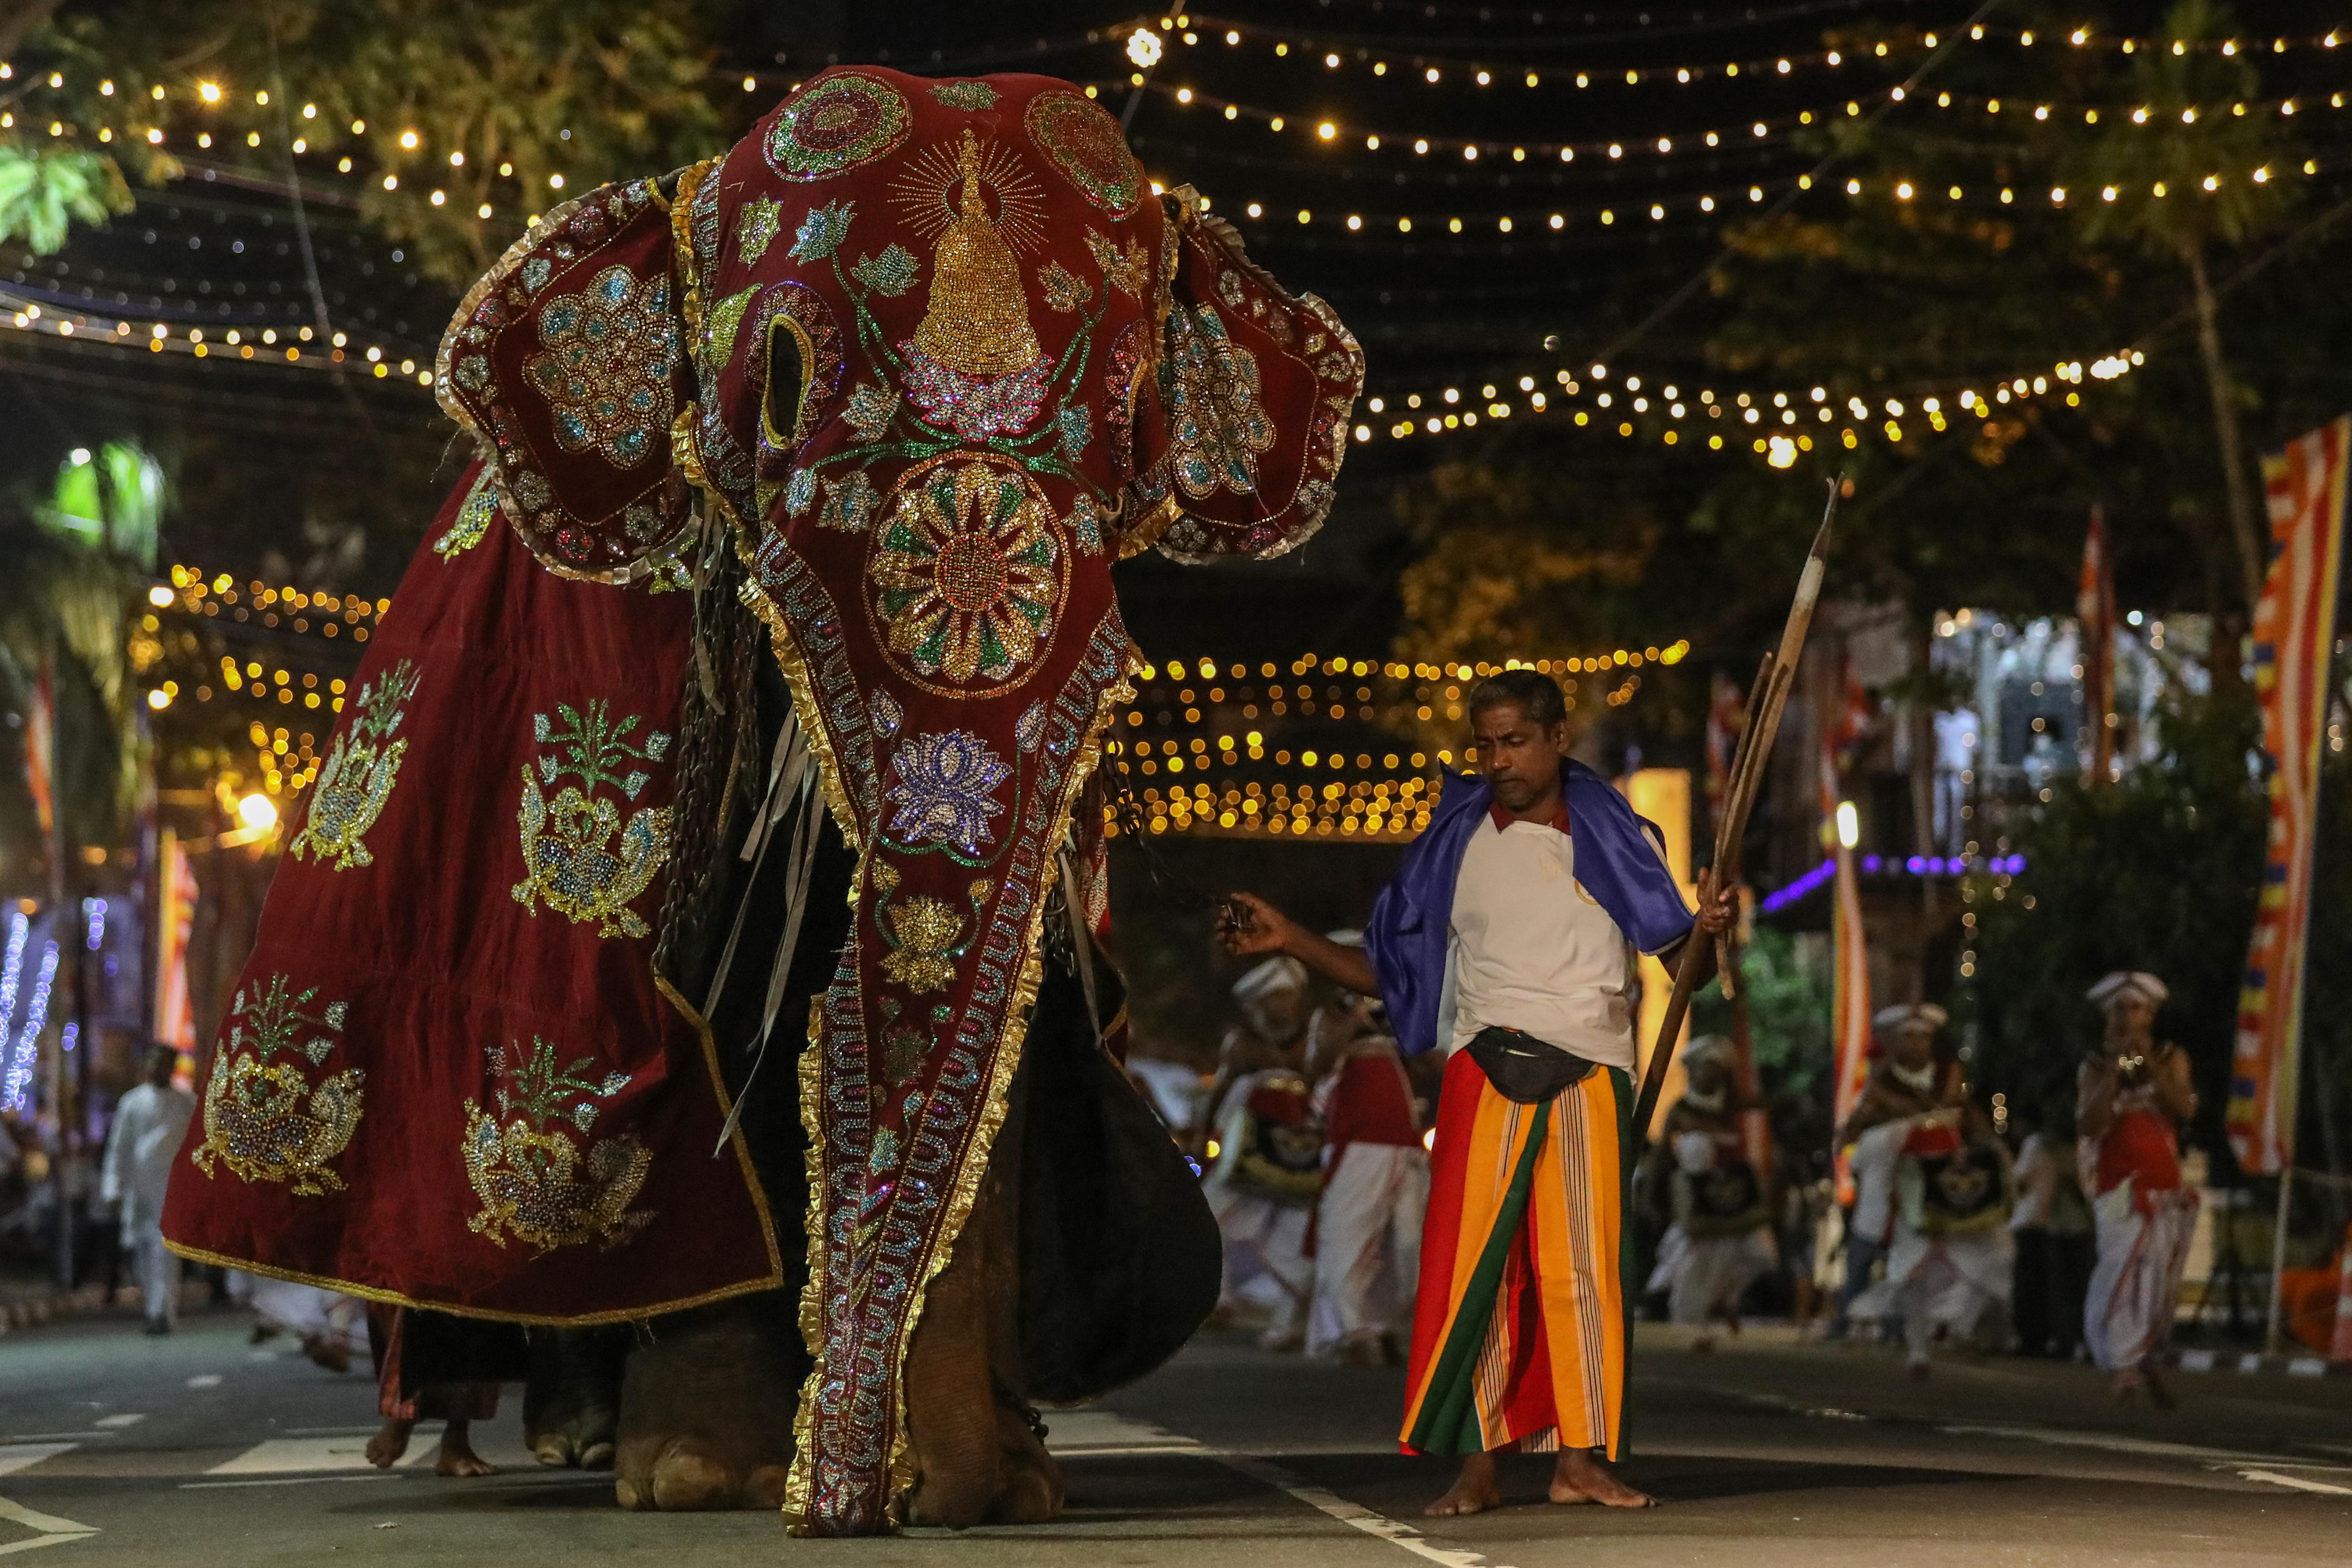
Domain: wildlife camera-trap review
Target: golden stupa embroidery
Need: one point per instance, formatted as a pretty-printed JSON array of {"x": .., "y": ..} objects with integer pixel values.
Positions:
[{"x": 975, "y": 364}]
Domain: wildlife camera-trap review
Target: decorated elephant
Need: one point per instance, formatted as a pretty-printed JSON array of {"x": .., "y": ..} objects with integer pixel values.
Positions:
[{"x": 746, "y": 701}]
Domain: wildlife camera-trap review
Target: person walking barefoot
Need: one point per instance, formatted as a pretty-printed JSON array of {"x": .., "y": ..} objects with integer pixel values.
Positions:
[{"x": 1515, "y": 911}]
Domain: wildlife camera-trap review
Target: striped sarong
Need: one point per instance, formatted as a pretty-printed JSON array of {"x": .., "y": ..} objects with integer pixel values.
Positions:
[{"x": 1520, "y": 1328}]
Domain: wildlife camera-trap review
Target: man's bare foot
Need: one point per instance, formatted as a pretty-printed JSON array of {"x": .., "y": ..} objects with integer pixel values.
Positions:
[
  {"x": 2128, "y": 1386},
  {"x": 1473, "y": 1490},
  {"x": 2159, "y": 1393},
  {"x": 1580, "y": 1477},
  {"x": 1702, "y": 1345},
  {"x": 1917, "y": 1370},
  {"x": 457, "y": 1456},
  {"x": 389, "y": 1442}
]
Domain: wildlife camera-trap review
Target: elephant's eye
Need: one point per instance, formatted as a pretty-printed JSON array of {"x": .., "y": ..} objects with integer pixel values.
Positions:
[{"x": 790, "y": 353}]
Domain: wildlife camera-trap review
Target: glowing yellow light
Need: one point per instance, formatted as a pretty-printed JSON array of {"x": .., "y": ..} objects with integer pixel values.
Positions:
[
  {"x": 1849, "y": 824},
  {"x": 209, "y": 92},
  {"x": 255, "y": 811},
  {"x": 1144, "y": 48}
]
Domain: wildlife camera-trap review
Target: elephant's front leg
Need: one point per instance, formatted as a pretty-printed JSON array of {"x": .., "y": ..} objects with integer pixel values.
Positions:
[
  {"x": 977, "y": 1461},
  {"x": 706, "y": 1408}
]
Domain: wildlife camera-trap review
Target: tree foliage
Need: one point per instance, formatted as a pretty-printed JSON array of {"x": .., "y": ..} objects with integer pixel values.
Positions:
[{"x": 516, "y": 104}]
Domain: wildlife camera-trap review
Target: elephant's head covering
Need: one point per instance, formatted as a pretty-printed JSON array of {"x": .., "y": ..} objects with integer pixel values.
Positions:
[{"x": 909, "y": 368}]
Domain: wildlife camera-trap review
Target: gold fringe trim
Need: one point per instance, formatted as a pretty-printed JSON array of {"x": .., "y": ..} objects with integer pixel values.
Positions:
[{"x": 973, "y": 1168}]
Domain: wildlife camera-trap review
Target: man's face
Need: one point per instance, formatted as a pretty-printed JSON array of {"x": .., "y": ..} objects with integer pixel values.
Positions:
[
  {"x": 2130, "y": 1016},
  {"x": 1913, "y": 1045},
  {"x": 1519, "y": 757},
  {"x": 1276, "y": 1016}
]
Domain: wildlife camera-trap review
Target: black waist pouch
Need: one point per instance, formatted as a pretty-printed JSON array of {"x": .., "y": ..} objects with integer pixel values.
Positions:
[{"x": 1523, "y": 1069}]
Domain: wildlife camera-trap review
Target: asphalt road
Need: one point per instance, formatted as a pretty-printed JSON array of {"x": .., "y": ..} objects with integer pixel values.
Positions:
[{"x": 201, "y": 1449}]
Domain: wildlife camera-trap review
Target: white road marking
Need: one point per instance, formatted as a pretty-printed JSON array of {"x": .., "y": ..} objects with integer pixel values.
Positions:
[
  {"x": 2113, "y": 1443},
  {"x": 204, "y": 1379},
  {"x": 283, "y": 1482},
  {"x": 288, "y": 1456},
  {"x": 1352, "y": 1515},
  {"x": 2298, "y": 1482},
  {"x": 24, "y": 1455},
  {"x": 119, "y": 1421},
  {"x": 1100, "y": 1434},
  {"x": 1076, "y": 1433},
  {"x": 54, "y": 1530}
]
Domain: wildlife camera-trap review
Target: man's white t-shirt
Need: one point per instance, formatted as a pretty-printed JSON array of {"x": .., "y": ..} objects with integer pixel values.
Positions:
[{"x": 1532, "y": 951}]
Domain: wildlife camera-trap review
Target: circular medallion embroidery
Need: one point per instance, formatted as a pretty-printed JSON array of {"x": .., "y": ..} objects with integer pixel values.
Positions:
[
  {"x": 1088, "y": 146},
  {"x": 967, "y": 579},
  {"x": 838, "y": 123}
]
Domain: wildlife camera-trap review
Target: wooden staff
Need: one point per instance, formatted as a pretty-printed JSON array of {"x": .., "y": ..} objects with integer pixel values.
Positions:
[{"x": 1765, "y": 703}]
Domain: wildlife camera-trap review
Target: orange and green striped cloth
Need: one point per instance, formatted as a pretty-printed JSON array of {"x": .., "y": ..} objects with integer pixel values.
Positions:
[{"x": 1521, "y": 1328}]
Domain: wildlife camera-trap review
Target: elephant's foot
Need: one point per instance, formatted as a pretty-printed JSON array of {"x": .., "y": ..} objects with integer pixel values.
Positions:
[
  {"x": 1030, "y": 1489},
  {"x": 573, "y": 1403},
  {"x": 1005, "y": 1477},
  {"x": 707, "y": 1411}
]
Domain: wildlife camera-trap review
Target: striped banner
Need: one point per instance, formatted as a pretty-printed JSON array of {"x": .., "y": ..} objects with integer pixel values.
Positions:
[
  {"x": 1849, "y": 959},
  {"x": 2294, "y": 631}
]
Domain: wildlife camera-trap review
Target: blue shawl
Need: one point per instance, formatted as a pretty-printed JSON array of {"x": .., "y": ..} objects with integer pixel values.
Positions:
[{"x": 1411, "y": 924}]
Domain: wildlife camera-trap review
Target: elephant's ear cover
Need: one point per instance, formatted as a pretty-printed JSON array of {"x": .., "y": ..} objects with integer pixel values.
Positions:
[
  {"x": 566, "y": 361},
  {"x": 1241, "y": 431}
]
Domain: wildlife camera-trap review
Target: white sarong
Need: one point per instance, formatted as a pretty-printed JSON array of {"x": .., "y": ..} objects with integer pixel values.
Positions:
[
  {"x": 2136, "y": 1284},
  {"x": 1945, "y": 1282},
  {"x": 1367, "y": 1245},
  {"x": 1705, "y": 1277}
]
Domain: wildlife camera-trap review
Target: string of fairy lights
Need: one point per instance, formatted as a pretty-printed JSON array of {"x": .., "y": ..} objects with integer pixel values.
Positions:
[
  {"x": 1421, "y": 413},
  {"x": 1438, "y": 70},
  {"x": 1212, "y": 775},
  {"x": 1777, "y": 425},
  {"x": 287, "y": 757}
]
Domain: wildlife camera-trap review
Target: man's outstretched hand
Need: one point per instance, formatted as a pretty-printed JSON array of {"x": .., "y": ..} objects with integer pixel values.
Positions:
[
  {"x": 1256, "y": 927},
  {"x": 1260, "y": 928}
]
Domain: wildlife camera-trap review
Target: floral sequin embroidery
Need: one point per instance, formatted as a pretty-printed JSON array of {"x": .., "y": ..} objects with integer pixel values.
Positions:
[
  {"x": 870, "y": 410},
  {"x": 849, "y": 503},
  {"x": 472, "y": 523},
  {"x": 757, "y": 225},
  {"x": 1089, "y": 149},
  {"x": 969, "y": 95},
  {"x": 266, "y": 1119},
  {"x": 540, "y": 1179},
  {"x": 356, "y": 779},
  {"x": 723, "y": 321},
  {"x": 923, "y": 933},
  {"x": 968, "y": 579},
  {"x": 1217, "y": 423},
  {"x": 838, "y": 123},
  {"x": 944, "y": 786},
  {"x": 605, "y": 372},
  {"x": 579, "y": 855}
]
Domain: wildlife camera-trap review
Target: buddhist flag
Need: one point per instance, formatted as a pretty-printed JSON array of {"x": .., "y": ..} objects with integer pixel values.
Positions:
[
  {"x": 1850, "y": 959},
  {"x": 175, "y": 1023},
  {"x": 2094, "y": 612},
  {"x": 2294, "y": 630},
  {"x": 41, "y": 748}
]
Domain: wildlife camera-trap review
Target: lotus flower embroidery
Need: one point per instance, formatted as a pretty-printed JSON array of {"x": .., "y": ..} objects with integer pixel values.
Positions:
[{"x": 944, "y": 787}]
